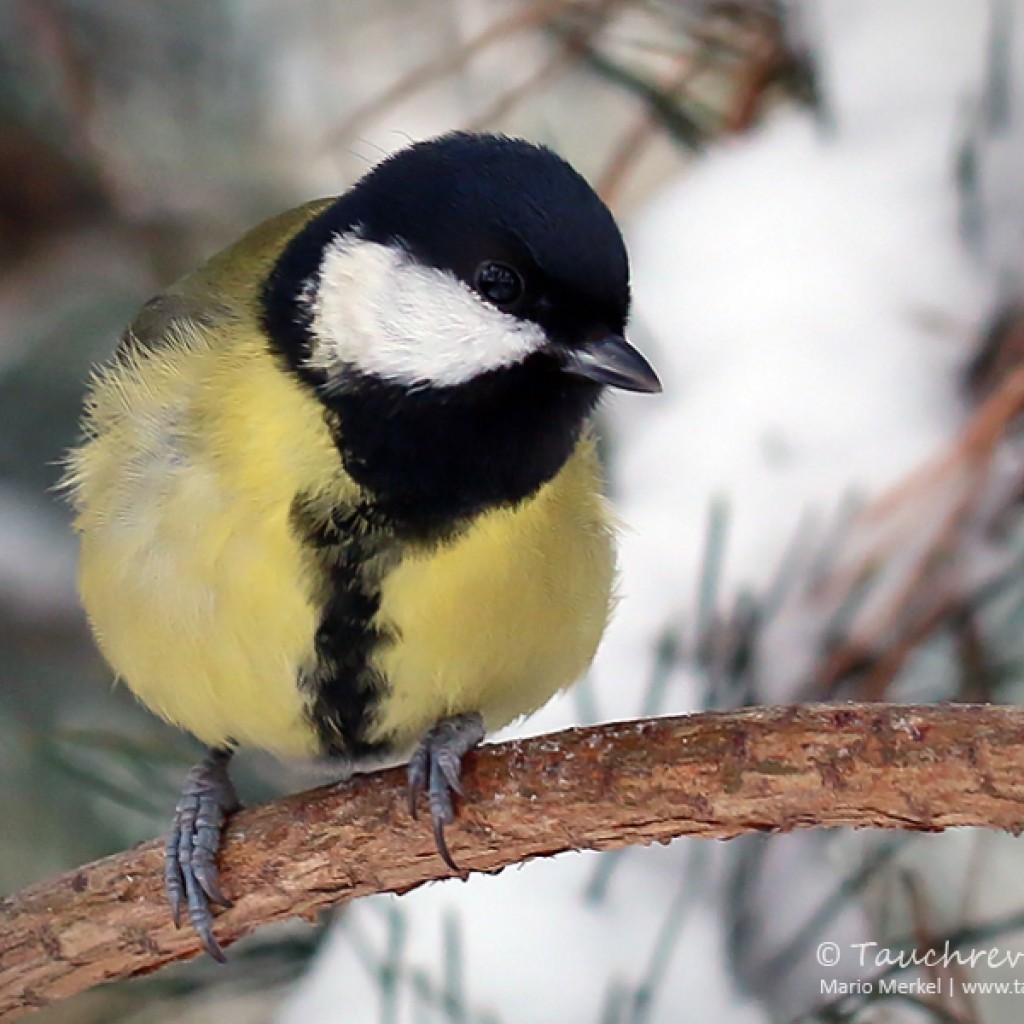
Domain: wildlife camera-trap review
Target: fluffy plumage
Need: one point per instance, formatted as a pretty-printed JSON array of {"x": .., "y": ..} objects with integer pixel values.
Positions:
[{"x": 332, "y": 494}]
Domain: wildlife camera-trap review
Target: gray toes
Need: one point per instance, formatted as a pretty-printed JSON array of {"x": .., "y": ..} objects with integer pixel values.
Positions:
[
  {"x": 436, "y": 768},
  {"x": 191, "y": 877}
]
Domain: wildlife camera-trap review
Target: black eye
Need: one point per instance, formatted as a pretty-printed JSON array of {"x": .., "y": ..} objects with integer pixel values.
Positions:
[{"x": 499, "y": 283}]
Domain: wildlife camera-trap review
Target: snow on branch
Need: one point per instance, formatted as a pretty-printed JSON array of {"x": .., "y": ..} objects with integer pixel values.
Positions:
[{"x": 714, "y": 775}]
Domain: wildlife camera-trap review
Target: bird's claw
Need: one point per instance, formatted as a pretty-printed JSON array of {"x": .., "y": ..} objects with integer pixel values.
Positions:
[
  {"x": 191, "y": 877},
  {"x": 435, "y": 768}
]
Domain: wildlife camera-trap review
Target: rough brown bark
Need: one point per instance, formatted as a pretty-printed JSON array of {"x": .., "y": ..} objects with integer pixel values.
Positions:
[{"x": 711, "y": 775}]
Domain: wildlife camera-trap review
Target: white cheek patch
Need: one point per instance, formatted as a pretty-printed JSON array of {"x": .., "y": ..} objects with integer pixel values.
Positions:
[{"x": 379, "y": 311}]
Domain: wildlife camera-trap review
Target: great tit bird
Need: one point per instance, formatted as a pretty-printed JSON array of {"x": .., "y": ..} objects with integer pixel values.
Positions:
[{"x": 338, "y": 495}]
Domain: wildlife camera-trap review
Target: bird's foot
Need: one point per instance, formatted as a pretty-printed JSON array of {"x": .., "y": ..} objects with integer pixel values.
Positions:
[
  {"x": 436, "y": 769},
  {"x": 190, "y": 872}
]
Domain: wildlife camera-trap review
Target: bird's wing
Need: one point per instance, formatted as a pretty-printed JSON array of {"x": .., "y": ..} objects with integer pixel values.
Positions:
[
  {"x": 166, "y": 316},
  {"x": 224, "y": 289}
]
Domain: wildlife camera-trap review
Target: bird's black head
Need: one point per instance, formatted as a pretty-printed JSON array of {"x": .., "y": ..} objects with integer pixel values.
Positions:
[
  {"x": 470, "y": 292},
  {"x": 512, "y": 221}
]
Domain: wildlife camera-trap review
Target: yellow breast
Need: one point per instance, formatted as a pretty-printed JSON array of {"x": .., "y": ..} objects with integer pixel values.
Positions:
[
  {"x": 206, "y": 604},
  {"x": 190, "y": 570},
  {"x": 505, "y": 617}
]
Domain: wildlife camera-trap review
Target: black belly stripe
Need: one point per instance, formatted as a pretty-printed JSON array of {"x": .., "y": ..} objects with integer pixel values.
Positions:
[{"x": 348, "y": 556}]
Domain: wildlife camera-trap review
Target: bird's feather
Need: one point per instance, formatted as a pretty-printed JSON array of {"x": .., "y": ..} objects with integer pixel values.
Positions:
[{"x": 208, "y": 596}]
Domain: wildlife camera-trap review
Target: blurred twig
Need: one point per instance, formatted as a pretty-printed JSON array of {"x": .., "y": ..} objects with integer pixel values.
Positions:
[
  {"x": 49, "y": 31},
  {"x": 571, "y": 46},
  {"x": 938, "y": 515},
  {"x": 523, "y": 17},
  {"x": 740, "y": 48},
  {"x": 927, "y": 559},
  {"x": 816, "y": 924},
  {"x": 643, "y": 130},
  {"x": 674, "y": 121},
  {"x": 924, "y": 932}
]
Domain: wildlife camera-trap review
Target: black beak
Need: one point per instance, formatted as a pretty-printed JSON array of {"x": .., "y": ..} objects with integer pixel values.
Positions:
[{"x": 612, "y": 361}]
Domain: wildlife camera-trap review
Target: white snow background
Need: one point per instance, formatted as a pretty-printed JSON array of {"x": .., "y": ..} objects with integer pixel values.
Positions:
[{"x": 787, "y": 288}]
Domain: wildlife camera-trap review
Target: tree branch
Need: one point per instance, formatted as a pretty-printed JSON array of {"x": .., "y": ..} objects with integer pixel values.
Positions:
[{"x": 713, "y": 775}]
